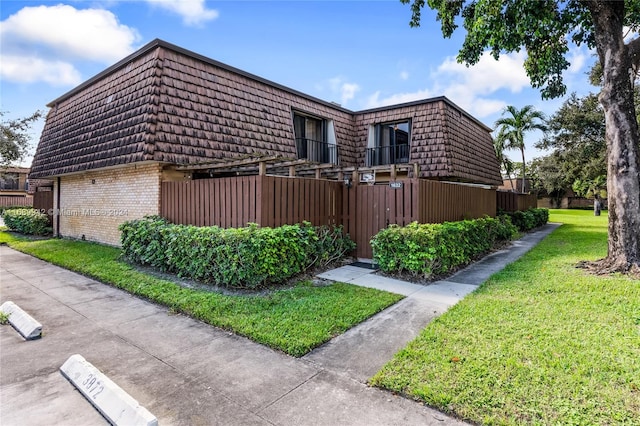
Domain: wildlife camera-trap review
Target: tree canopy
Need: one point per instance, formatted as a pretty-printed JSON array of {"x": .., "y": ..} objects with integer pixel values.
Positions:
[
  {"x": 577, "y": 137},
  {"x": 14, "y": 137},
  {"x": 545, "y": 29}
]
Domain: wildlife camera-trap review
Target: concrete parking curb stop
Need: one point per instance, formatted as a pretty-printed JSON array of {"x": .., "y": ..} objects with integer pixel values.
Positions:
[
  {"x": 24, "y": 323},
  {"x": 111, "y": 400}
]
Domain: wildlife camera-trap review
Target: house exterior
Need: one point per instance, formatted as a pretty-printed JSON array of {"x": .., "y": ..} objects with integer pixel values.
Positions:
[
  {"x": 16, "y": 189},
  {"x": 14, "y": 181},
  {"x": 515, "y": 185},
  {"x": 568, "y": 199},
  {"x": 167, "y": 114}
]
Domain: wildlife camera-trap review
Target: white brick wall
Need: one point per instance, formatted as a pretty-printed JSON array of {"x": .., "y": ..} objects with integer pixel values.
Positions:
[{"x": 93, "y": 204}]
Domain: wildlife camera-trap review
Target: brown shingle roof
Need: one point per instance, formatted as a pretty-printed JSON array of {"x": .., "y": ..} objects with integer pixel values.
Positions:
[{"x": 166, "y": 104}]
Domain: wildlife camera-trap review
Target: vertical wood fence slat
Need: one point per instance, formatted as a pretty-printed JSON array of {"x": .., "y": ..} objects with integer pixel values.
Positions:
[
  {"x": 8, "y": 201},
  {"x": 512, "y": 201}
]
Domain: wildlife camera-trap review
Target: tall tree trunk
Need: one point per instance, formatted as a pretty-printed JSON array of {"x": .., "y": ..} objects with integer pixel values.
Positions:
[
  {"x": 506, "y": 169},
  {"x": 523, "y": 169},
  {"x": 623, "y": 182}
]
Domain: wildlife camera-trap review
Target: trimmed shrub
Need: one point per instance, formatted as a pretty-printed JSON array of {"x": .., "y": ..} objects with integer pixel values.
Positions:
[
  {"x": 27, "y": 221},
  {"x": 433, "y": 249},
  {"x": 529, "y": 219},
  {"x": 142, "y": 241},
  {"x": 249, "y": 257}
]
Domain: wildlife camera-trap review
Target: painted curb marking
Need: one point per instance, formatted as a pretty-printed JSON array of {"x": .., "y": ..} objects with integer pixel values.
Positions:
[
  {"x": 110, "y": 400},
  {"x": 24, "y": 323}
]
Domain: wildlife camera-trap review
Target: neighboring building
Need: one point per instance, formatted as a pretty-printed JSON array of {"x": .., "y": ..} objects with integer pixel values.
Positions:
[
  {"x": 568, "y": 200},
  {"x": 515, "y": 185},
  {"x": 15, "y": 187},
  {"x": 165, "y": 114},
  {"x": 13, "y": 181}
]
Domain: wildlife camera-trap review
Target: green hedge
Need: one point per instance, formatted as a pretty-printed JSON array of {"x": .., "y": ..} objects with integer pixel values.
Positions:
[
  {"x": 529, "y": 219},
  {"x": 7, "y": 208},
  {"x": 27, "y": 221},
  {"x": 250, "y": 257},
  {"x": 433, "y": 249}
]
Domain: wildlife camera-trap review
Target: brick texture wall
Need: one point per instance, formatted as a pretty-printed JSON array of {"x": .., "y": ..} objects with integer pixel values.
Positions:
[{"x": 94, "y": 204}]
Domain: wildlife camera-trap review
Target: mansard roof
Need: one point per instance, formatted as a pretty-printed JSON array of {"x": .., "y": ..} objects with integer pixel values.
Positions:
[{"x": 166, "y": 104}]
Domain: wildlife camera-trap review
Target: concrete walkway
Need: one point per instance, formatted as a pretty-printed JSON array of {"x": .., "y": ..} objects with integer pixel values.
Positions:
[
  {"x": 364, "y": 349},
  {"x": 188, "y": 373}
]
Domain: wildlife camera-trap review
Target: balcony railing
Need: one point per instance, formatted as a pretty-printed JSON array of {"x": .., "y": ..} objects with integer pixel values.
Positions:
[
  {"x": 382, "y": 155},
  {"x": 321, "y": 152}
]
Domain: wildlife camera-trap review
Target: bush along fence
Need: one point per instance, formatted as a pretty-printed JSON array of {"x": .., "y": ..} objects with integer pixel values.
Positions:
[
  {"x": 250, "y": 257},
  {"x": 425, "y": 250},
  {"x": 27, "y": 221},
  {"x": 529, "y": 219}
]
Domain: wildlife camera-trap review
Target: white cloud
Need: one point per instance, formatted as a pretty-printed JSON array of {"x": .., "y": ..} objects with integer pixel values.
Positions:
[
  {"x": 488, "y": 75},
  {"x": 91, "y": 34},
  {"x": 41, "y": 43},
  {"x": 469, "y": 87},
  {"x": 348, "y": 91},
  {"x": 404, "y": 75},
  {"x": 345, "y": 90},
  {"x": 374, "y": 100},
  {"x": 25, "y": 69},
  {"x": 577, "y": 60},
  {"x": 193, "y": 12}
]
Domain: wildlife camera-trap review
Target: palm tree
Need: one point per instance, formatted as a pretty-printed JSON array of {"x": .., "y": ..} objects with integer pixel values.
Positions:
[
  {"x": 507, "y": 164},
  {"x": 511, "y": 129}
]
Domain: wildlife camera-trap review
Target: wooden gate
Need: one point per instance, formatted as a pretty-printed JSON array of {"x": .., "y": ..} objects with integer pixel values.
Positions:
[
  {"x": 43, "y": 201},
  {"x": 374, "y": 207}
]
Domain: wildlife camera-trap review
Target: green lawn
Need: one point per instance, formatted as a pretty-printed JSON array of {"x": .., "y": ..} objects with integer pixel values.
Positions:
[
  {"x": 539, "y": 343},
  {"x": 293, "y": 320}
]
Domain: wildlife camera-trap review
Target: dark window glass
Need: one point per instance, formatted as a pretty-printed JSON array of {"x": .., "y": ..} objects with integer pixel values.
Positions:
[
  {"x": 391, "y": 144},
  {"x": 9, "y": 181}
]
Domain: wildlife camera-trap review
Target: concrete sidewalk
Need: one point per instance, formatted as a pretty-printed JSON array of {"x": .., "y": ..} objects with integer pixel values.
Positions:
[
  {"x": 188, "y": 373},
  {"x": 364, "y": 349}
]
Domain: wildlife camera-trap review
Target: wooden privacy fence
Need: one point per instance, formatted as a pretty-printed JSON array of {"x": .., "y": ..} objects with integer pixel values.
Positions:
[
  {"x": 513, "y": 201},
  {"x": 10, "y": 201},
  {"x": 266, "y": 200},
  {"x": 363, "y": 210}
]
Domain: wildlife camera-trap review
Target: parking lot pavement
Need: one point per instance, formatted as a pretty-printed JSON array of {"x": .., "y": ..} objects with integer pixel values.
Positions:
[{"x": 183, "y": 371}]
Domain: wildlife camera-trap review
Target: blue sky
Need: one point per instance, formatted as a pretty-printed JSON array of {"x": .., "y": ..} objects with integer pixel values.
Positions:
[{"x": 361, "y": 54}]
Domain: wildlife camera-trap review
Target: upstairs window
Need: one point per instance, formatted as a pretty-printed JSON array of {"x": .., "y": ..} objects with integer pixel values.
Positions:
[
  {"x": 315, "y": 138},
  {"x": 9, "y": 181},
  {"x": 310, "y": 128},
  {"x": 388, "y": 143}
]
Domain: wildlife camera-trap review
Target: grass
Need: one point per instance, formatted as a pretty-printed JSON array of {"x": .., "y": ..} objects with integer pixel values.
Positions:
[
  {"x": 293, "y": 320},
  {"x": 539, "y": 343}
]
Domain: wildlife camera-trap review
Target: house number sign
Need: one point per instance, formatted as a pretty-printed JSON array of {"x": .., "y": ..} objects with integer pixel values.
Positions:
[
  {"x": 395, "y": 185},
  {"x": 92, "y": 386}
]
